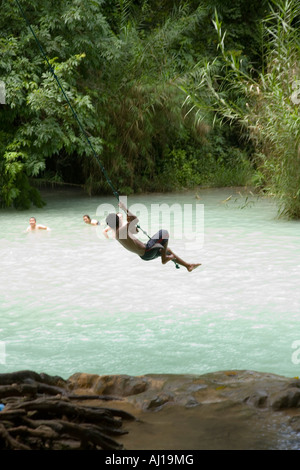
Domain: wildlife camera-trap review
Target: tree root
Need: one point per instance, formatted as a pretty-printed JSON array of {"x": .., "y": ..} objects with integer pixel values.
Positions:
[{"x": 40, "y": 415}]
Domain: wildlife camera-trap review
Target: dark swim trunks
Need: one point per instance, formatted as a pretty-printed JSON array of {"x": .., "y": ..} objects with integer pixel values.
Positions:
[{"x": 155, "y": 244}]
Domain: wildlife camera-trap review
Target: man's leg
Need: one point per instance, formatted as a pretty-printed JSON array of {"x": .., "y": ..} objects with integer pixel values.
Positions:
[{"x": 168, "y": 255}]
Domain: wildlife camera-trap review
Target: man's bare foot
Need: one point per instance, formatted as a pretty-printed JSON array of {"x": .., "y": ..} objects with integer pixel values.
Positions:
[{"x": 191, "y": 267}]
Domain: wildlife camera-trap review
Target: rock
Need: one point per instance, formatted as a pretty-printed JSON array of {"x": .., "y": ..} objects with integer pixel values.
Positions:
[
  {"x": 289, "y": 398},
  {"x": 121, "y": 385},
  {"x": 220, "y": 410},
  {"x": 159, "y": 401},
  {"x": 259, "y": 399},
  {"x": 230, "y": 410}
]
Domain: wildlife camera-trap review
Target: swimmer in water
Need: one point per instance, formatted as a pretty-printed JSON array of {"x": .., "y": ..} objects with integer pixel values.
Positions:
[
  {"x": 34, "y": 226},
  {"x": 88, "y": 220},
  {"x": 124, "y": 232}
]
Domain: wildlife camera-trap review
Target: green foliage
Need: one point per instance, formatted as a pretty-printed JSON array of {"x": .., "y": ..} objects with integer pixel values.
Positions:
[
  {"x": 36, "y": 120},
  {"x": 260, "y": 103},
  {"x": 141, "y": 107},
  {"x": 123, "y": 68}
]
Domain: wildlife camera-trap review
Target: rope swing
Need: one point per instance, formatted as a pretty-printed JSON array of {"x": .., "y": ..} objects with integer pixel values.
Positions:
[{"x": 115, "y": 192}]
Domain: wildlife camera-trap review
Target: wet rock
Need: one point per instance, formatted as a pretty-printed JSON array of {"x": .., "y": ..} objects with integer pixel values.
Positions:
[
  {"x": 220, "y": 410},
  {"x": 119, "y": 385},
  {"x": 286, "y": 399},
  {"x": 158, "y": 401},
  {"x": 259, "y": 399}
]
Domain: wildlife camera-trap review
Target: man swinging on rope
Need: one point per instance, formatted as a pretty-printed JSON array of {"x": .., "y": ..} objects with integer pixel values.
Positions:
[{"x": 157, "y": 246}]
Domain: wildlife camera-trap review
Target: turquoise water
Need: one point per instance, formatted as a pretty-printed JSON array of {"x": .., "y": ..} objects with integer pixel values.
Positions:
[{"x": 73, "y": 301}]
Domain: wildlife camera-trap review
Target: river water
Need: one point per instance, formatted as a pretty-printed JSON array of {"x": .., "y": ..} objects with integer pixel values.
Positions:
[{"x": 73, "y": 301}]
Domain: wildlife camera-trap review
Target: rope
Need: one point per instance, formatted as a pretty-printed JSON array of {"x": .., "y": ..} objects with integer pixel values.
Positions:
[
  {"x": 68, "y": 101},
  {"x": 115, "y": 192}
]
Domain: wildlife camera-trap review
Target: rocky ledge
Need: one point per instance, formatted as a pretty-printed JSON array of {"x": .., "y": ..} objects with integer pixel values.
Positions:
[
  {"x": 230, "y": 410},
  {"x": 223, "y": 410}
]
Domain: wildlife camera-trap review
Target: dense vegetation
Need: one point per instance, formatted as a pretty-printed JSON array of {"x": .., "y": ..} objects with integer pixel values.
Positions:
[
  {"x": 263, "y": 101},
  {"x": 166, "y": 99}
]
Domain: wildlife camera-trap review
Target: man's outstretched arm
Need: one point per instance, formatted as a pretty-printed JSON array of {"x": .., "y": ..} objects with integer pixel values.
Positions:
[{"x": 127, "y": 211}]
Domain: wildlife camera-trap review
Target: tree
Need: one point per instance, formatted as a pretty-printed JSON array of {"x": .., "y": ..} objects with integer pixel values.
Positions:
[
  {"x": 36, "y": 124},
  {"x": 120, "y": 65},
  {"x": 263, "y": 103}
]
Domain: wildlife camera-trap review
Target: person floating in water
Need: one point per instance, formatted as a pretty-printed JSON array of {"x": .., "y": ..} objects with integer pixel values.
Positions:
[
  {"x": 88, "y": 220},
  {"x": 34, "y": 226},
  {"x": 124, "y": 232}
]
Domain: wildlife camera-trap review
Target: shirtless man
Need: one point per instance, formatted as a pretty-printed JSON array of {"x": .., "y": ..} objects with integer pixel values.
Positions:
[
  {"x": 157, "y": 246},
  {"x": 109, "y": 229},
  {"x": 34, "y": 226}
]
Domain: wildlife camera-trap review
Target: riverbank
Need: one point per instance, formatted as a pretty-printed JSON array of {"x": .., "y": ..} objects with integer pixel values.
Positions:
[{"x": 227, "y": 410}]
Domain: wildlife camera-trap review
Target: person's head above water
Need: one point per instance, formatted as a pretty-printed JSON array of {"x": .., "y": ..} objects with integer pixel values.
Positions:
[
  {"x": 87, "y": 219},
  {"x": 113, "y": 220}
]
